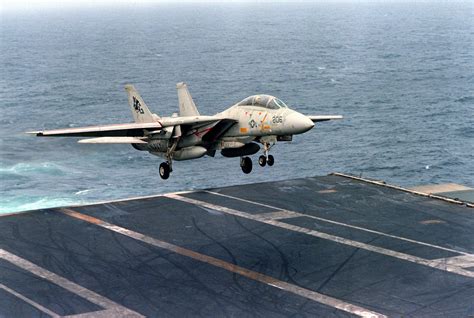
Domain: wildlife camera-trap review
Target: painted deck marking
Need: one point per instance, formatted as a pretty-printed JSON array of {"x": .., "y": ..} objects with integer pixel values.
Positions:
[
  {"x": 29, "y": 301},
  {"x": 283, "y": 214},
  {"x": 300, "y": 291},
  {"x": 95, "y": 314},
  {"x": 118, "y": 310},
  {"x": 347, "y": 225},
  {"x": 406, "y": 257},
  {"x": 463, "y": 261}
]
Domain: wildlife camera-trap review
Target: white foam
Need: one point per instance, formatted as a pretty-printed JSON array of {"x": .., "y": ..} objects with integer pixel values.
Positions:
[
  {"x": 25, "y": 168},
  {"x": 83, "y": 192},
  {"x": 43, "y": 203}
]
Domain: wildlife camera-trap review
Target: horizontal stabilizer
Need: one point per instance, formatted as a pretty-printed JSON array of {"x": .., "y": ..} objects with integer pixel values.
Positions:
[
  {"x": 112, "y": 140},
  {"x": 117, "y": 130},
  {"x": 324, "y": 117}
]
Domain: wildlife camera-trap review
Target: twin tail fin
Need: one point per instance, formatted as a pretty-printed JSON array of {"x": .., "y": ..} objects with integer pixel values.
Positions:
[
  {"x": 140, "y": 111},
  {"x": 186, "y": 103}
]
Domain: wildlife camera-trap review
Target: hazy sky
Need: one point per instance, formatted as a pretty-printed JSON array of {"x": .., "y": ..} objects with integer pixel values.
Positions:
[
  {"x": 44, "y": 4},
  {"x": 47, "y": 4}
]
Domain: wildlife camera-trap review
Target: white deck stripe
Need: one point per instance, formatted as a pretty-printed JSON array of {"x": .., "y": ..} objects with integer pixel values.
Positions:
[
  {"x": 348, "y": 225},
  {"x": 334, "y": 238},
  {"x": 29, "y": 301},
  {"x": 68, "y": 285},
  {"x": 270, "y": 281},
  {"x": 463, "y": 261},
  {"x": 95, "y": 314},
  {"x": 241, "y": 199},
  {"x": 283, "y": 214},
  {"x": 151, "y": 196}
]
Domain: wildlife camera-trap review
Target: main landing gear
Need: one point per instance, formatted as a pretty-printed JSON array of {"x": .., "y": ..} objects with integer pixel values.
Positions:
[
  {"x": 165, "y": 169},
  {"x": 246, "y": 164}
]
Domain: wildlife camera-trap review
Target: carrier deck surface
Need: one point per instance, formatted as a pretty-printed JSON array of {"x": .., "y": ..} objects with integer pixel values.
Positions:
[{"x": 328, "y": 246}]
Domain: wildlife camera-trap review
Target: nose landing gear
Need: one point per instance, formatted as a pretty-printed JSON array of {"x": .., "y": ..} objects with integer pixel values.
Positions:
[
  {"x": 270, "y": 160},
  {"x": 266, "y": 159}
]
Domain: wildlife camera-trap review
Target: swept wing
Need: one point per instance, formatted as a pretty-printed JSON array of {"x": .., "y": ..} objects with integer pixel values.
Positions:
[
  {"x": 130, "y": 129},
  {"x": 117, "y": 130}
]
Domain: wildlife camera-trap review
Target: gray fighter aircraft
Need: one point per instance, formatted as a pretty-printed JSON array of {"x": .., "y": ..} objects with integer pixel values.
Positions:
[{"x": 236, "y": 132}]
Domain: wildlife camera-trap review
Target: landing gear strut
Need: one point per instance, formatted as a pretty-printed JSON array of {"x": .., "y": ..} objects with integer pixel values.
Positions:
[
  {"x": 167, "y": 167},
  {"x": 246, "y": 164},
  {"x": 266, "y": 159}
]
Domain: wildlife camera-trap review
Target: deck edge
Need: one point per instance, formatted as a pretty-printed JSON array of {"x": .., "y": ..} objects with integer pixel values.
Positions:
[{"x": 395, "y": 187}]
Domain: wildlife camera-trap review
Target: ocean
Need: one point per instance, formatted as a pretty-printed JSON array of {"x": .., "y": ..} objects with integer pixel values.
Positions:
[{"x": 401, "y": 73}]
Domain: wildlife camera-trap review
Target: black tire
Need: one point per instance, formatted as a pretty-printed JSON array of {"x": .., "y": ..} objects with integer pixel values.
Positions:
[
  {"x": 262, "y": 161},
  {"x": 164, "y": 170},
  {"x": 246, "y": 165},
  {"x": 270, "y": 160}
]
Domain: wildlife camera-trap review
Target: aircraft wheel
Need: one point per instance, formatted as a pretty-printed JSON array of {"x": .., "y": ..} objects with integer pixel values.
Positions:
[
  {"x": 246, "y": 164},
  {"x": 164, "y": 170},
  {"x": 270, "y": 160},
  {"x": 262, "y": 161}
]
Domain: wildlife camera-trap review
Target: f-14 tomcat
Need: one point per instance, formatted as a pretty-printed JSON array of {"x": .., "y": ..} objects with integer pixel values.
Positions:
[{"x": 235, "y": 132}]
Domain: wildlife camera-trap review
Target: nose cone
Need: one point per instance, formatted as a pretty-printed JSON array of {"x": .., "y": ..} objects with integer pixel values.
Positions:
[{"x": 298, "y": 123}]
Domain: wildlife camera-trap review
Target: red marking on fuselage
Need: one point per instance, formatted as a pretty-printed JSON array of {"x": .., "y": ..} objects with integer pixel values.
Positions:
[{"x": 202, "y": 132}]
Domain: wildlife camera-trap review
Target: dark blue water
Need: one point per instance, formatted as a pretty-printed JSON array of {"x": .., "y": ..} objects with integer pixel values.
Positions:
[{"x": 402, "y": 74}]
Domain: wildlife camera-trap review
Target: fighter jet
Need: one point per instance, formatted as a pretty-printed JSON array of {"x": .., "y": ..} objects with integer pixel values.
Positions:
[{"x": 236, "y": 132}]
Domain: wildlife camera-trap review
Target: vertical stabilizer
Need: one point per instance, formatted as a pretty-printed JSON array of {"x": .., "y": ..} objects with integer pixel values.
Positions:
[
  {"x": 186, "y": 103},
  {"x": 140, "y": 111}
]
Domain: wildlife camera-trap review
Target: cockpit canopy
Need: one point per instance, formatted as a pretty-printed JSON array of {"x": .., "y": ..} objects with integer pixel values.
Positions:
[{"x": 266, "y": 101}]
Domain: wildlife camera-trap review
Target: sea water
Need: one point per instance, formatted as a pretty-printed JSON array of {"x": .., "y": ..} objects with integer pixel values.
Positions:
[{"x": 401, "y": 74}]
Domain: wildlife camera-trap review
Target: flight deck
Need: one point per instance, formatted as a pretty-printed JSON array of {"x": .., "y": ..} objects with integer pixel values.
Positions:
[{"x": 330, "y": 246}]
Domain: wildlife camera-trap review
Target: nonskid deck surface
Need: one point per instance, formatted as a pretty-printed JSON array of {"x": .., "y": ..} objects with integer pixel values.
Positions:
[{"x": 322, "y": 246}]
